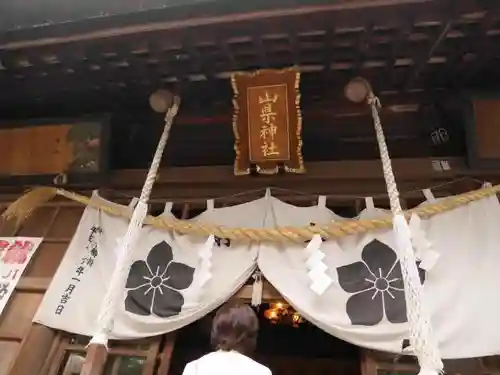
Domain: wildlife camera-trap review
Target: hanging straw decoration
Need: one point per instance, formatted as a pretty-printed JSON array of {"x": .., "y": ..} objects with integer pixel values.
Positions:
[
  {"x": 421, "y": 336},
  {"x": 117, "y": 284},
  {"x": 23, "y": 207}
]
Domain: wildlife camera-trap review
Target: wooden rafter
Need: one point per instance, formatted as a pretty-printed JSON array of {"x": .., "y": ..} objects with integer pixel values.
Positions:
[
  {"x": 422, "y": 60},
  {"x": 402, "y": 32},
  {"x": 482, "y": 48},
  {"x": 294, "y": 47},
  {"x": 261, "y": 50},
  {"x": 363, "y": 46},
  {"x": 222, "y": 19},
  {"x": 122, "y": 68},
  {"x": 198, "y": 62}
]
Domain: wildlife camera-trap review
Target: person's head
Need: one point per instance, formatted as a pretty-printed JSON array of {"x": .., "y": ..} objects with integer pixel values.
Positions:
[{"x": 235, "y": 327}]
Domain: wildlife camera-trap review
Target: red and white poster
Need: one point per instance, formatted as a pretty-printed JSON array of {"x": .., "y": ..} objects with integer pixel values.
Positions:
[{"x": 15, "y": 254}]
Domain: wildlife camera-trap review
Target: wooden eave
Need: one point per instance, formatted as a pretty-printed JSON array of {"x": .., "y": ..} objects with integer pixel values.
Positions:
[
  {"x": 416, "y": 53},
  {"x": 402, "y": 46},
  {"x": 96, "y": 18}
]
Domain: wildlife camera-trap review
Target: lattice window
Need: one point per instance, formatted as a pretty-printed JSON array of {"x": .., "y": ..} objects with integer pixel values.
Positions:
[{"x": 149, "y": 356}]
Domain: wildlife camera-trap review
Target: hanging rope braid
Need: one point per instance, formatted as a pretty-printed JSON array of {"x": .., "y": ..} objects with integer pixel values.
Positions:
[
  {"x": 421, "y": 337},
  {"x": 117, "y": 283}
]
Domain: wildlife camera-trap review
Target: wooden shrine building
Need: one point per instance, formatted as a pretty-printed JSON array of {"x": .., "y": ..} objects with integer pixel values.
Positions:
[{"x": 89, "y": 67}]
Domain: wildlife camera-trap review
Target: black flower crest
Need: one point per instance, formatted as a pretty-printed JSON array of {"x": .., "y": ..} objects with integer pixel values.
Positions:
[
  {"x": 153, "y": 285},
  {"x": 376, "y": 284}
]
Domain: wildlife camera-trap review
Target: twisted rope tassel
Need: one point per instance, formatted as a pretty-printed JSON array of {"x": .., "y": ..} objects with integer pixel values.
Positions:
[
  {"x": 421, "y": 336},
  {"x": 116, "y": 286}
]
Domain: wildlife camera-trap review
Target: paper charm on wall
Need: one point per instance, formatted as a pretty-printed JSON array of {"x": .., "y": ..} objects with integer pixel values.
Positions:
[{"x": 267, "y": 121}]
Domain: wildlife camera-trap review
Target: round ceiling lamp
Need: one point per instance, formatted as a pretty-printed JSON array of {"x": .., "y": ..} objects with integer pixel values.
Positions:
[
  {"x": 161, "y": 100},
  {"x": 357, "y": 90}
]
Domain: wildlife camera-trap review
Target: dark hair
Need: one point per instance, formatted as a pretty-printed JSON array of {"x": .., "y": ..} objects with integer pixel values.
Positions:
[{"x": 235, "y": 327}]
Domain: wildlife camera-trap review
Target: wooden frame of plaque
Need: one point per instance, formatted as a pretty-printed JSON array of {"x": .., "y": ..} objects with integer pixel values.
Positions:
[
  {"x": 55, "y": 151},
  {"x": 267, "y": 121}
]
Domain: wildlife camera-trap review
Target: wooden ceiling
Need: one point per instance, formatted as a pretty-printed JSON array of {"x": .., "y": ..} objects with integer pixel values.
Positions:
[
  {"x": 411, "y": 46},
  {"x": 415, "y": 53}
]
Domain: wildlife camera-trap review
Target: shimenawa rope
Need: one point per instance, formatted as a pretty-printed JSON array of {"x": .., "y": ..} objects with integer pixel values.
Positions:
[{"x": 23, "y": 207}]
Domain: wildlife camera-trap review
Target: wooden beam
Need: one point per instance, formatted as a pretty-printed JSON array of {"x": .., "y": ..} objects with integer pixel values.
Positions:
[
  {"x": 197, "y": 200},
  {"x": 195, "y": 185},
  {"x": 269, "y": 293},
  {"x": 301, "y": 195},
  {"x": 53, "y": 85},
  {"x": 405, "y": 169},
  {"x": 33, "y": 284},
  {"x": 341, "y": 182},
  {"x": 303, "y": 11},
  {"x": 341, "y": 179}
]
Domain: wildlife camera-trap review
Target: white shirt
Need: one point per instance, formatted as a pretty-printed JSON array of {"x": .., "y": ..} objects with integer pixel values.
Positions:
[{"x": 225, "y": 363}]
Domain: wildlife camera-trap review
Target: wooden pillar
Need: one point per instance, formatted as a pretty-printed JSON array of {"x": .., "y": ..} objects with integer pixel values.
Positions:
[
  {"x": 95, "y": 360},
  {"x": 367, "y": 363},
  {"x": 185, "y": 211},
  {"x": 35, "y": 346},
  {"x": 166, "y": 355},
  {"x": 358, "y": 205}
]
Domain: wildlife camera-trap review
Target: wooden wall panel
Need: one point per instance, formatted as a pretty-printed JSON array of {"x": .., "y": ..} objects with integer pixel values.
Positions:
[
  {"x": 37, "y": 224},
  {"x": 7, "y": 228},
  {"x": 28, "y": 344},
  {"x": 65, "y": 224},
  {"x": 487, "y": 121},
  {"x": 9, "y": 344},
  {"x": 49, "y": 150},
  {"x": 8, "y": 352},
  {"x": 483, "y": 131},
  {"x": 17, "y": 317},
  {"x": 46, "y": 260},
  {"x": 57, "y": 225}
]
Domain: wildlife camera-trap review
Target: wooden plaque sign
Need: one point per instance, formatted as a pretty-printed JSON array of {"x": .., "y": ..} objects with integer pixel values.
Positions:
[
  {"x": 482, "y": 127},
  {"x": 267, "y": 121},
  {"x": 53, "y": 151}
]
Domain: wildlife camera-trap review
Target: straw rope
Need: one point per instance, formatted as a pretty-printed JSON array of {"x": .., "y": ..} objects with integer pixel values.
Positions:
[
  {"x": 112, "y": 298},
  {"x": 422, "y": 340},
  {"x": 26, "y": 204}
]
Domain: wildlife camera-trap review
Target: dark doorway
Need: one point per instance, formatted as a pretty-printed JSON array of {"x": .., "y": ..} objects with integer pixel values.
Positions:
[{"x": 285, "y": 349}]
